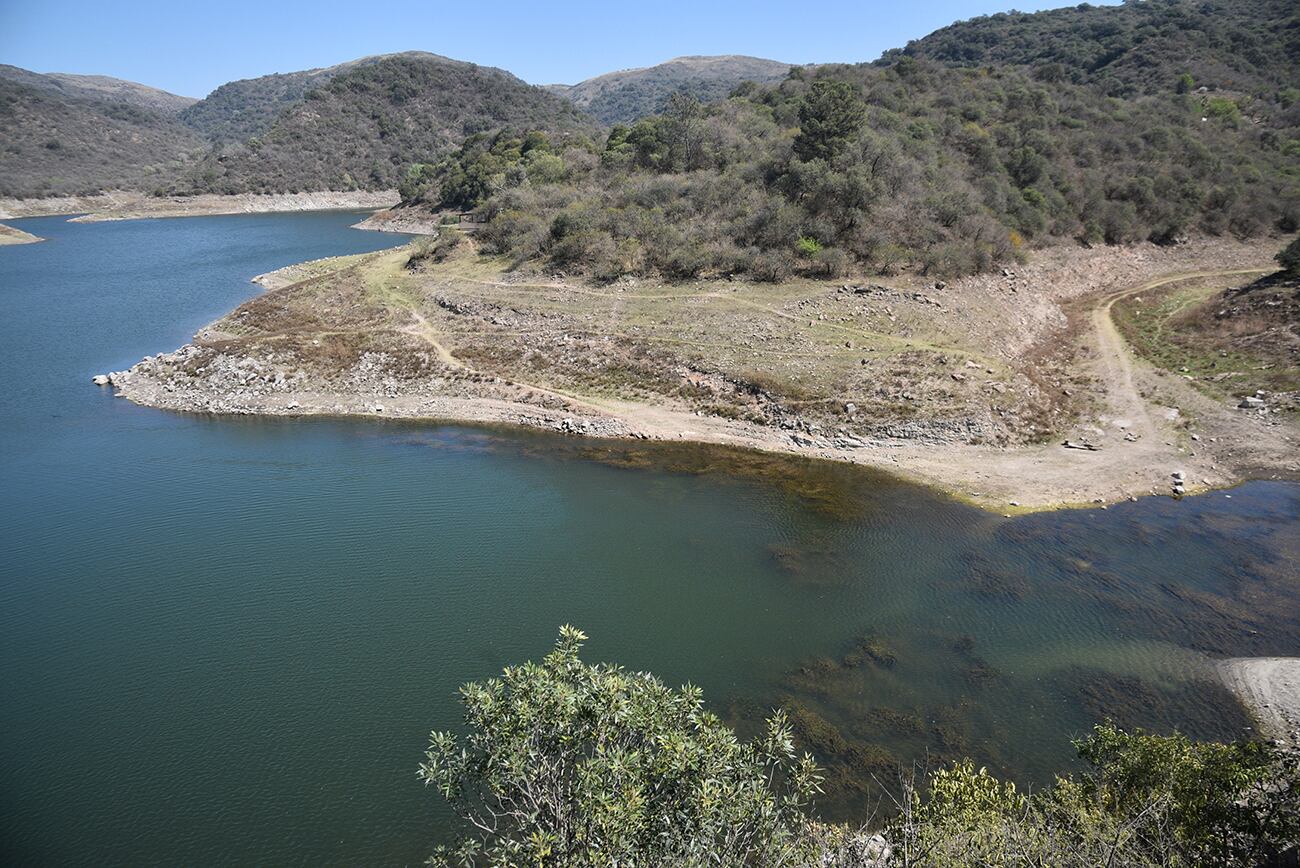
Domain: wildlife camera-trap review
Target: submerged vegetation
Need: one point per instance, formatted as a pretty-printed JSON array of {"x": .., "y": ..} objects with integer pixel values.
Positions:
[{"x": 567, "y": 763}]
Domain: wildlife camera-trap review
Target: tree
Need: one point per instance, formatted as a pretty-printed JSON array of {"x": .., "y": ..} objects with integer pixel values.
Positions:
[
  {"x": 685, "y": 131},
  {"x": 829, "y": 116},
  {"x": 566, "y": 763},
  {"x": 1289, "y": 257}
]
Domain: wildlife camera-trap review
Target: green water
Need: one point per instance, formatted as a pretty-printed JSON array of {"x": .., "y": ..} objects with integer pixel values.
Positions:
[{"x": 223, "y": 641}]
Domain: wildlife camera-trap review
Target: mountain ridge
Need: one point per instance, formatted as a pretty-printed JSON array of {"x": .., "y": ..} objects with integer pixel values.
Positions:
[
  {"x": 99, "y": 87},
  {"x": 246, "y": 107},
  {"x": 1133, "y": 48},
  {"x": 626, "y": 95},
  {"x": 360, "y": 124}
]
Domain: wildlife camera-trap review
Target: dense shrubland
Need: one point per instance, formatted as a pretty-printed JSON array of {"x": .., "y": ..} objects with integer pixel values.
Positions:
[
  {"x": 631, "y": 94},
  {"x": 948, "y": 170},
  {"x": 361, "y": 128},
  {"x": 1145, "y": 47},
  {"x": 566, "y": 763}
]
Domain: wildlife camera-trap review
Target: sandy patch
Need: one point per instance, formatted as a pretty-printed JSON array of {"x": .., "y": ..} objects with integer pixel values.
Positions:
[{"x": 1270, "y": 688}]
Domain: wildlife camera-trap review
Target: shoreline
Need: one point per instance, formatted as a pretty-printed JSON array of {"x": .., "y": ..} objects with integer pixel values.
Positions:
[
  {"x": 1161, "y": 437},
  {"x": 1222, "y": 447},
  {"x": 937, "y": 467},
  {"x": 123, "y": 205},
  {"x": 11, "y": 235},
  {"x": 409, "y": 222},
  {"x": 495, "y": 414},
  {"x": 1270, "y": 688}
]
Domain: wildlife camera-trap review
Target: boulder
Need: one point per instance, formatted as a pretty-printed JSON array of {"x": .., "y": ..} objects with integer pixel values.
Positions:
[
  {"x": 101, "y": 379},
  {"x": 1251, "y": 403}
]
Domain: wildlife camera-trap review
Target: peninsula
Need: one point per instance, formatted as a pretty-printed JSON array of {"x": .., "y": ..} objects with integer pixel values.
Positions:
[{"x": 1013, "y": 390}]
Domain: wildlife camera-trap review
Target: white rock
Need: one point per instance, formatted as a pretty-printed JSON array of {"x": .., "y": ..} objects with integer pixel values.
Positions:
[{"x": 101, "y": 379}]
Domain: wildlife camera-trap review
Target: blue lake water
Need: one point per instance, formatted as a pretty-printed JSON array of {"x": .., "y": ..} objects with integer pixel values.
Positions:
[{"x": 224, "y": 641}]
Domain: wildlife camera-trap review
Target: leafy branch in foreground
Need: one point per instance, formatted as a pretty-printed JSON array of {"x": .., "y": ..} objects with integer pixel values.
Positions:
[
  {"x": 570, "y": 764},
  {"x": 567, "y": 763},
  {"x": 1146, "y": 800}
]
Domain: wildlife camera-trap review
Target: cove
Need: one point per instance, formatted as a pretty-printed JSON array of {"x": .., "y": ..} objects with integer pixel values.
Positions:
[{"x": 223, "y": 641}]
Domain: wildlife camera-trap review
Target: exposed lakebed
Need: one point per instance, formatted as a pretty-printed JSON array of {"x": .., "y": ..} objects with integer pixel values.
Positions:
[{"x": 224, "y": 640}]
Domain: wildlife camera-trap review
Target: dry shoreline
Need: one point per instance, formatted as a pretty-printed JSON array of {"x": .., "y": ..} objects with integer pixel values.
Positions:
[
  {"x": 1270, "y": 688},
  {"x": 125, "y": 205},
  {"x": 968, "y": 474},
  {"x": 409, "y": 221},
  {"x": 1144, "y": 411},
  {"x": 11, "y": 235},
  {"x": 1018, "y": 478}
]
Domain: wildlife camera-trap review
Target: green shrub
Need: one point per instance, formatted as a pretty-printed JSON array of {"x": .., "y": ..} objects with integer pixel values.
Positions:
[
  {"x": 571, "y": 764},
  {"x": 832, "y": 263},
  {"x": 1225, "y": 111},
  {"x": 566, "y": 763},
  {"x": 1145, "y": 801},
  {"x": 807, "y": 247}
]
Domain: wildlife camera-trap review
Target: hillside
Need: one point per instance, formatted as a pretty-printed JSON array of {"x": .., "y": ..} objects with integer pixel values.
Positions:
[
  {"x": 631, "y": 94},
  {"x": 848, "y": 169},
  {"x": 67, "y": 135},
  {"x": 362, "y": 127},
  {"x": 239, "y": 110},
  {"x": 1134, "y": 48},
  {"x": 99, "y": 87},
  {"x": 356, "y": 125}
]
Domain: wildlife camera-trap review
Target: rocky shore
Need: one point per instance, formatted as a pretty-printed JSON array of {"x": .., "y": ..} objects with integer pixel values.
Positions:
[
  {"x": 390, "y": 335},
  {"x": 411, "y": 221},
  {"x": 195, "y": 379}
]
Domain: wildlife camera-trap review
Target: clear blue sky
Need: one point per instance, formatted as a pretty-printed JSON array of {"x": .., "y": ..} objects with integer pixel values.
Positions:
[{"x": 191, "y": 46}]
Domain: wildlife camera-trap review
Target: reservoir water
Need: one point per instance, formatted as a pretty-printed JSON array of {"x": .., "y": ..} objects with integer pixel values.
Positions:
[{"x": 224, "y": 640}]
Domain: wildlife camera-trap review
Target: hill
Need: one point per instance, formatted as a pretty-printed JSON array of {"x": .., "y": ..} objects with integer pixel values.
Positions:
[
  {"x": 915, "y": 165},
  {"x": 631, "y": 94},
  {"x": 99, "y": 87},
  {"x": 67, "y": 135},
  {"x": 239, "y": 110},
  {"x": 1135, "y": 48},
  {"x": 361, "y": 126}
]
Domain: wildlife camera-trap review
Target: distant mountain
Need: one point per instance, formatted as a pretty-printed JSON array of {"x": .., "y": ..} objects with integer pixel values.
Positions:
[
  {"x": 70, "y": 134},
  {"x": 99, "y": 87},
  {"x": 630, "y": 94},
  {"x": 1135, "y": 48},
  {"x": 361, "y": 125}
]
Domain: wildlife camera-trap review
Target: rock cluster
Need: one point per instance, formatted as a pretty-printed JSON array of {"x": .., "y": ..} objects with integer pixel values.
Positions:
[{"x": 877, "y": 291}]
